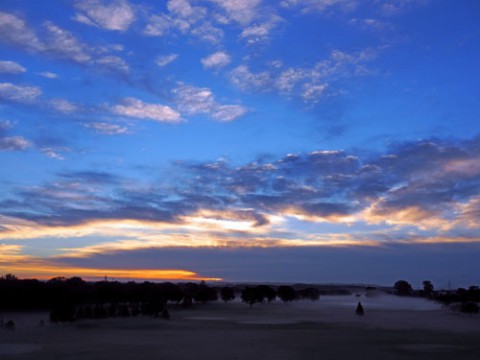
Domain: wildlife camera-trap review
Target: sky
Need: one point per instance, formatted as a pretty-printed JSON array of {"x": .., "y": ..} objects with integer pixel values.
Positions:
[{"x": 320, "y": 141}]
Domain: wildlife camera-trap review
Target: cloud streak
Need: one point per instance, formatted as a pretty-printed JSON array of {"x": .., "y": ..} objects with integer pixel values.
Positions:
[{"x": 136, "y": 108}]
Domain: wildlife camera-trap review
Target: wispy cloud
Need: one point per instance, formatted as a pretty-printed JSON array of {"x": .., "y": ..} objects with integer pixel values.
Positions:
[
  {"x": 115, "y": 63},
  {"x": 57, "y": 152},
  {"x": 107, "y": 128},
  {"x": 11, "y": 143},
  {"x": 320, "y": 5},
  {"x": 14, "y": 143},
  {"x": 115, "y": 15},
  {"x": 216, "y": 60},
  {"x": 186, "y": 19},
  {"x": 311, "y": 83},
  {"x": 64, "y": 44},
  {"x": 57, "y": 42},
  {"x": 14, "y": 30},
  {"x": 260, "y": 32},
  {"x": 19, "y": 93},
  {"x": 164, "y": 60},
  {"x": 63, "y": 106},
  {"x": 136, "y": 108},
  {"x": 194, "y": 100},
  {"x": 11, "y": 67},
  {"x": 241, "y": 11},
  {"x": 48, "y": 75}
]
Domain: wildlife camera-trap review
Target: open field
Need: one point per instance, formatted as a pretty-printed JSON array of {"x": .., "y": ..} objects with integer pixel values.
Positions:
[{"x": 392, "y": 328}]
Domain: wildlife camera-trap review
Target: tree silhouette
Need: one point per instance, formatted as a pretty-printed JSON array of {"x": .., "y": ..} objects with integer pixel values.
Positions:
[
  {"x": 310, "y": 293},
  {"x": 286, "y": 293},
  {"x": 359, "y": 310},
  {"x": 266, "y": 293},
  {"x": 428, "y": 287},
  {"x": 227, "y": 293},
  {"x": 402, "y": 287},
  {"x": 251, "y": 295}
]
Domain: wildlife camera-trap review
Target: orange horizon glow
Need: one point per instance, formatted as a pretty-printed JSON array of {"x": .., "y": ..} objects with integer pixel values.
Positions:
[{"x": 49, "y": 272}]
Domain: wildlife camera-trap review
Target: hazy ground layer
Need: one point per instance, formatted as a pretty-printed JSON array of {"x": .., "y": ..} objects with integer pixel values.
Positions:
[{"x": 327, "y": 329}]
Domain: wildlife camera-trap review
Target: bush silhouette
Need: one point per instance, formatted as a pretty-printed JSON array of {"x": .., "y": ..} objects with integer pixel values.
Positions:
[{"x": 359, "y": 310}]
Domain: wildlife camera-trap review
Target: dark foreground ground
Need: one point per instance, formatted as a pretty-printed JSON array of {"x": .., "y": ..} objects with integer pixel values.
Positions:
[{"x": 233, "y": 331}]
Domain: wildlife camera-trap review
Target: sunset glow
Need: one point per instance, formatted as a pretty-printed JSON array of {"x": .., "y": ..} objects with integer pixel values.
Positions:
[{"x": 299, "y": 141}]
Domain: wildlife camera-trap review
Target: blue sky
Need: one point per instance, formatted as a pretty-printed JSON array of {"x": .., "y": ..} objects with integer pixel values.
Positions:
[{"x": 248, "y": 140}]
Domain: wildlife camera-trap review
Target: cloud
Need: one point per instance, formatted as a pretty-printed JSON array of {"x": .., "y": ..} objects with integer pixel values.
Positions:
[
  {"x": 320, "y": 5},
  {"x": 11, "y": 67},
  {"x": 59, "y": 43},
  {"x": 15, "y": 31},
  {"x": 48, "y": 75},
  {"x": 14, "y": 143},
  {"x": 164, "y": 60},
  {"x": 107, "y": 128},
  {"x": 242, "y": 77},
  {"x": 19, "y": 93},
  {"x": 260, "y": 32},
  {"x": 208, "y": 32},
  {"x": 115, "y": 63},
  {"x": 216, "y": 60},
  {"x": 310, "y": 83},
  {"x": 194, "y": 100},
  {"x": 135, "y": 108},
  {"x": 116, "y": 15},
  {"x": 63, "y": 106},
  {"x": 64, "y": 44},
  {"x": 181, "y": 8},
  {"x": 55, "y": 152},
  {"x": 159, "y": 25},
  {"x": 392, "y": 197},
  {"x": 241, "y": 11},
  {"x": 186, "y": 19},
  {"x": 11, "y": 143},
  {"x": 391, "y": 8}
]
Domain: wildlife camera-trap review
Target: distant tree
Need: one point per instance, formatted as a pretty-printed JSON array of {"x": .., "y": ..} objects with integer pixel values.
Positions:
[
  {"x": 10, "y": 277},
  {"x": 310, "y": 293},
  {"x": 227, "y": 293},
  {"x": 63, "y": 311},
  {"x": 266, "y": 293},
  {"x": 205, "y": 293},
  {"x": 359, "y": 310},
  {"x": 251, "y": 295},
  {"x": 402, "y": 287},
  {"x": 286, "y": 293},
  {"x": 469, "y": 307},
  {"x": 427, "y": 287}
]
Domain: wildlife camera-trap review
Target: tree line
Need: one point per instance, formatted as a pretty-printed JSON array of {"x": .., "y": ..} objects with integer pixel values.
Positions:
[
  {"x": 70, "y": 299},
  {"x": 461, "y": 299}
]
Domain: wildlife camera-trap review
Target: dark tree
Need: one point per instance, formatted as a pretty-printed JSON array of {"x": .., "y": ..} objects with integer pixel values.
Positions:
[
  {"x": 310, "y": 293},
  {"x": 359, "y": 310},
  {"x": 227, "y": 293},
  {"x": 428, "y": 288},
  {"x": 205, "y": 293},
  {"x": 469, "y": 307},
  {"x": 251, "y": 295},
  {"x": 266, "y": 293},
  {"x": 286, "y": 293},
  {"x": 63, "y": 311},
  {"x": 402, "y": 287}
]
